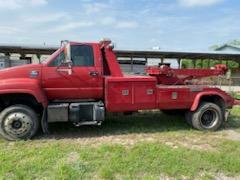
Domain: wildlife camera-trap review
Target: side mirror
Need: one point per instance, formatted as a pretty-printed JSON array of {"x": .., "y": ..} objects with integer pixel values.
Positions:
[
  {"x": 66, "y": 65},
  {"x": 67, "y": 51}
]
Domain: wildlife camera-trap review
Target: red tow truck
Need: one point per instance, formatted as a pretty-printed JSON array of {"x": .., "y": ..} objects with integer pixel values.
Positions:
[{"x": 80, "y": 82}]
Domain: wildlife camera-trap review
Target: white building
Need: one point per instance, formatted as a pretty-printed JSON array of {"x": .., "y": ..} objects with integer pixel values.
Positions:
[{"x": 229, "y": 48}]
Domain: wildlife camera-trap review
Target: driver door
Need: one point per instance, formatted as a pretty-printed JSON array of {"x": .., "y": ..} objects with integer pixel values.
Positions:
[{"x": 85, "y": 81}]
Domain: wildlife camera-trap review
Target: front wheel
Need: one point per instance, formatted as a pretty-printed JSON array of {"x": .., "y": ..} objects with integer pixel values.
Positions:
[
  {"x": 18, "y": 122},
  {"x": 208, "y": 116}
]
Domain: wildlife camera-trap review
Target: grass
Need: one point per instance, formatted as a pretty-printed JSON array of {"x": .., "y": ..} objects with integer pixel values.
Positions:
[
  {"x": 236, "y": 95},
  {"x": 143, "y": 146}
]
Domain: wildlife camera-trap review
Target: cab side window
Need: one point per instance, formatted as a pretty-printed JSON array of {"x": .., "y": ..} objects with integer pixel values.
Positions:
[
  {"x": 58, "y": 60},
  {"x": 82, "y": 55}
]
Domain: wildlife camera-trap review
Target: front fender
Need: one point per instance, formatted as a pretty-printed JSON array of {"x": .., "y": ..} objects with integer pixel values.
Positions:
[
  {"x": 202, "y": 94},
  {"x": 26, "y": 86}
]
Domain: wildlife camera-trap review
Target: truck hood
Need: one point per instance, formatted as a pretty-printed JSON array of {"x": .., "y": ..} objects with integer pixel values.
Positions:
[{"x": 25, "y": 71}]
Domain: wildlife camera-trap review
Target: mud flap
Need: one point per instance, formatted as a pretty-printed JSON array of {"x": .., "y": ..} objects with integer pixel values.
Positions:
[
  {"x": 227, "y": 114},
  {"x": 44, "y": 122}
]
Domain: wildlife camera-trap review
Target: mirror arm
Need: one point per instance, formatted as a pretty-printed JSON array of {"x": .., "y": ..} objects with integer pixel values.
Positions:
[{"x": 66, "y": 66}]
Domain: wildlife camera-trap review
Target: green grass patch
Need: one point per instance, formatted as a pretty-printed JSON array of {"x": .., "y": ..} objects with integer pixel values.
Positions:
[
  {"x": 236, "y": 95},
  {"x": 61, "y": 155},
  {"x": 54, "y": 161}
]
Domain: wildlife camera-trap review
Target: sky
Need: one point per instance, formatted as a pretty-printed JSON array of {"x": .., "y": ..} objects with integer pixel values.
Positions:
[{"x": 131, "y": 24}]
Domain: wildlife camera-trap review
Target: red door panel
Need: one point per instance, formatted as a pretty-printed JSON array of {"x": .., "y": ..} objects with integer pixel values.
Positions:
[{"x": 83, "y": 83}]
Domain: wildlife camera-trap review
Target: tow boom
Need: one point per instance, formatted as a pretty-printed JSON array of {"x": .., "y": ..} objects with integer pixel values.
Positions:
[{"x": 169, "y": 76}]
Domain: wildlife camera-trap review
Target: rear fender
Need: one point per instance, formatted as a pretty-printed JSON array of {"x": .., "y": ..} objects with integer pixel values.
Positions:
[
  {"x": 200, "y": 95},
  {"x": 26, "y": 86}
]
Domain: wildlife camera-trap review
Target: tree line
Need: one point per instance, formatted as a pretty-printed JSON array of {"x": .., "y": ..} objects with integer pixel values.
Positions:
[{"x": 206, "y": 63}]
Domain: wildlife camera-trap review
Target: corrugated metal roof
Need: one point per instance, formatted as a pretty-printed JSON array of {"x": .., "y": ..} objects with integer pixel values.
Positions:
[
  {"x": 180, "y": 54},
  {"x": 27, "y": 49},
  {"x": 43, "y": 50}
]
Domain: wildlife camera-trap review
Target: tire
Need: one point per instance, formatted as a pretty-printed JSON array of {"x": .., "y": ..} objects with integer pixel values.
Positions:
[
  {"x": 208, "y": 117},
  {"x": 18, "y": 122}
]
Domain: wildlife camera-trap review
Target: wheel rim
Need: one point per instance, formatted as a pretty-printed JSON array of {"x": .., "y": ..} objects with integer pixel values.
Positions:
[
  {"x": 208, "y": 118},
  {"x": 17, "y": 124}
]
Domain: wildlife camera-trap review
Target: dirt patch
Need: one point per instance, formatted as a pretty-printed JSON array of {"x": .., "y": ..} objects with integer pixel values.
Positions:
[
  {"x": 201, "y": 142},
  {"x": 215, "y": 176},
  {"x": 72, "y": 158},
  {"x": 193, "y": 143},
  {"x": 126, "y": 140},
  {"x": 221, "y": 176},
  {"x": 201, "y": 147},
  {"x": 147, "y": 176},
  {"x": 232, "y": 135}
]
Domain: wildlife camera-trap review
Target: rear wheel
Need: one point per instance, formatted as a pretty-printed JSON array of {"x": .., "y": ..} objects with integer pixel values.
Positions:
[
  {"x": 18, "y": 122},
  {"x": 208, "y": 116}
]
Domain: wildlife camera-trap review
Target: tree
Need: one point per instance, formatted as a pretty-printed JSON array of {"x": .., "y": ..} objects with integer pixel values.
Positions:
[{"x": 206, "y": 63}]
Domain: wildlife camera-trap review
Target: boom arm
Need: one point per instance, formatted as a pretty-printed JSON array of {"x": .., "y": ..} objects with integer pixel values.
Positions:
[{"x": 168, "y": 76}]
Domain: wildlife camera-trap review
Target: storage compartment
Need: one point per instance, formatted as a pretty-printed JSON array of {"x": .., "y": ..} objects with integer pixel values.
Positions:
[
  {"x": 76, "y": 112},
  {"x": 130, "y": 93},
  {"x": 175, "y": 97},
  {"x": 58, "y": 112}
]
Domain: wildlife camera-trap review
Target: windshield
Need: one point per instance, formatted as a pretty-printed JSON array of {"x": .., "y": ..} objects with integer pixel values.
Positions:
[{"x": 53, "y": 56}]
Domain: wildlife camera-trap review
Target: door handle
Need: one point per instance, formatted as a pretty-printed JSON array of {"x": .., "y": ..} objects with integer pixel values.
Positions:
[
  {"x": 68, "y": 71},
  {"x": 94, "y": 73}
]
